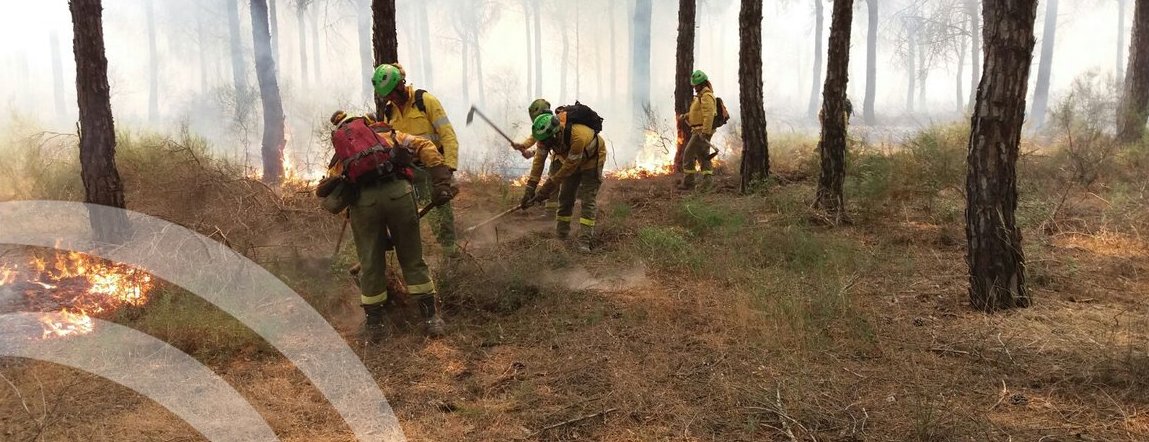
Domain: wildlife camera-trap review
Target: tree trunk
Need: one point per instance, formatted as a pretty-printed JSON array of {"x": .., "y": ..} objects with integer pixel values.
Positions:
[
  {"x": 273, "y": 118},
  {"x": 755, "y": 145},
  {"x": 1135, "y": 103},
  {"x": 479, "y": 73},
  {"x": 102, "y": 183},
  {"x": 683, "y": 67},
  {"x": 923, "y": 75},
  {"x": 58, "y": 76},
  {"x": 274, "y": 18},
  {"x": 425, "y": 45},
  {"x": 385, "y": 38},
  {"x": 640, "y": 69},
  {"x": 153, "y": 64},
  {"x": 1120, "y": 65},
  {"x": 832, "y": 146},
  {"x": 911, "y": 65},
  {"x": 959, "y": 98},
  {"x": 994, "y": 255},
  {"x": 530, "y": 52},
  {"x": 1045, "y": 64},
  {"x": 974, "y": 10},
  {"x": 238, "y": 67},
  {"x": 316, "y": 46},
  {"x": 301, "y": 29},
  {"x": 538, "y": 50},
  {"x": 816, "y": 75},
  {"x": 366, "y": 54},
  {"x": 871, "y": 61}
]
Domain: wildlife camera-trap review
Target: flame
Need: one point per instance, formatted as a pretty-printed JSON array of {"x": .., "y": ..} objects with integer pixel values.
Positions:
[
  {"x": 71, "y": 287},
  {"x": 654, "y": 159}
]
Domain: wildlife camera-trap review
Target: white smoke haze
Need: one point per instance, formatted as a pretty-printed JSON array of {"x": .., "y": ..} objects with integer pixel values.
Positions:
[{"x": 196, "y": 81}]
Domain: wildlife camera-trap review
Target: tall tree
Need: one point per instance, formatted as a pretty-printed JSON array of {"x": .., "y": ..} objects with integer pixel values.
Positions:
[
  {"x": 316, "y": 45},
  {"x": 1045, "y": 64},
  {"x": 538, "y": 50},
  {"x": 363, "y": 12},
  {"x": 973, "y": 9},
  {"x": 153, "y": 64},
  {"x": 816, "y": 75},
  {"x": 871, "y": 62},
  {"x": 1120, "y": 66},
  {"x": 425, "y": 44},
  {"x": 911, "y": 25},
  {"x": 640, "y": 59},
  {"x": 832, "y": 146},
  {"x": 994, "y": 255},
  {"x": 273, "y": 118},
  {"x": 385, "y": 38},
  {"x": 530, "y": 53},
  {"x": 755, "y": 146},
  {"x": 58, "y": 75},
  {"x": 98, "y": 171},
  {"x": 684, "y": 65},
  {"x": 238, "y": 70},
  {"x": 301, "y": 29},
  {"x": 273, "y": 15},
  {"x": 564, "y": 64},
  {"x": 1134, "y": 108}
]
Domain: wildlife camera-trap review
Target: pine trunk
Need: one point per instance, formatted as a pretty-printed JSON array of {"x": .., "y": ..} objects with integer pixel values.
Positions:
[
  {"x": 683, "y": 67},
  {"x": 640, "y": 69},
  {"x": 973, "y": 8},
  {"x": 871, "y": 61},
  {"x": 273, "y": 10},
  {"x": 153, "y": 64},
  {"x": 994, "y": 254},
  {"x": 479, "y": 73},
  {"x": 58, "y": 76},
  {"x": 832, "y": 146},
  {"x": 959, "y": 97},
  {"x": 1120, "y": 65},
  {"x": 102, "y": 185},
  {"x": 755, "y": 145},
  {"x": 238, "y": 67},
  {"x": 1045, "y": 64},
  {"x": 366, "y": 54},
  {"x": 385, "y": 38},
  {"x": 911, "y": 66},
  {"x": 1135, "y": 103},
  {"x": 816, "y": 75},
  {"x": 273, "y": 118}
]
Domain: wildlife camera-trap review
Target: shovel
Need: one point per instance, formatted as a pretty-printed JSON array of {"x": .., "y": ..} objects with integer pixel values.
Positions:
[{"x": 471, "y": 118}]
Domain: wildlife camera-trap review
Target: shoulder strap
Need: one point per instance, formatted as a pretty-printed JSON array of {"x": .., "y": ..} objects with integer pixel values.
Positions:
[{"x": 419, "y": 104}]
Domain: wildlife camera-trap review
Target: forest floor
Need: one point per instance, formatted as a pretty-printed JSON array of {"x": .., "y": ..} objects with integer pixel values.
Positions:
[{"x": 708, "y": 316}]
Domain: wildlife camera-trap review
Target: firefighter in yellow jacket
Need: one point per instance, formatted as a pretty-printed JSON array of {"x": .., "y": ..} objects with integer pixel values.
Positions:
[
  {"x": 383, "y": 214},
  {"x": 417, "y": 112},
  {"x": 700, "y": 117},
  {"x": 537, "y": 108},
  {"x": 582, "y": 154}
]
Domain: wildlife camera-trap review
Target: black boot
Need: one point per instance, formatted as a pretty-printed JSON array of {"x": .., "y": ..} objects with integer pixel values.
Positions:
[
  {"x": 433, "y": 324},
  {"x": 374, "y": 332}
]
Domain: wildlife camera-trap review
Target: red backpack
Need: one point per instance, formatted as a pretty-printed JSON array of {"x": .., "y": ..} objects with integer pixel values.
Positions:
[{"x": 361, "y": 151}]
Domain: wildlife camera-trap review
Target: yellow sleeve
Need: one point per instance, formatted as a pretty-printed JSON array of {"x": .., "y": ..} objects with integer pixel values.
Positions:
[
  {"x": 424, "y": 150},
  {"x": 443, "y": 128},
  {"x": 529, "y": 142},
  {"x": 709, "y": 111},
  {"x": 538, "y": 164}
]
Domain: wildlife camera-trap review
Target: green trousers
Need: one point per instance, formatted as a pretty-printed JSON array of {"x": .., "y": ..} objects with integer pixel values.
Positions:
[
  {"x": 385, "y": 214},
  {"x": 582, "y": 186},
  {"x": 697, "y": 153},
  {"x": 442, "y": 218}
]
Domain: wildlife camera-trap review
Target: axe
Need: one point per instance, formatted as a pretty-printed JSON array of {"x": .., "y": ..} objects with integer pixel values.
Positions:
[
  {"x": 708, "y": 143},
  {"x": 471, "y": 118}
]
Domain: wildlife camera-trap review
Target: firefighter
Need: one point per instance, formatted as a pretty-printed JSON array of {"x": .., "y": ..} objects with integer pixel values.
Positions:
[
  {"x": 582, "y": 153},
  {"x": 417, "y": 112},
  {"x": 700, "y": 117},
  {"x": 537, "y": 108},
  {"x": 383, "y": 214}
]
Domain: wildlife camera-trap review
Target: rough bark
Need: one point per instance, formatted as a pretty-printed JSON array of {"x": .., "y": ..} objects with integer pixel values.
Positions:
[
  {"x": 238, "y": 67},
  {"x": 1045, "y": 65},
  {"x": 832, "y": 146},
  {"x": 994, "y": 253},
  {"x": 1134, "y": 108},
  {"x": 816, "y": 75},
  {"x": 102, "y": 184},
  {"x": 153, "y": 64},
  {"x": 366, "y": 54},
  {"x": 58, "y": 76},
  {"x": 301, "y": 29},
  {"x": 755, "y": 145},
  {"x": 871, "y": 62},
  {"x": 683, "y": 67},
  {"x": 273, "y": 118},
  {"x": 385, "y": 38},
  {"x": 640, "y": 68},
  {"x": 973, "y": 8}
]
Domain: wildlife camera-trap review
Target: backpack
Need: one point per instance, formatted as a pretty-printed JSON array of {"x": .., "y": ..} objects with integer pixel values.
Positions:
[
  {"x": 722, "y": 116},
  {"x": 361, "y": 151},
  {"x": 579, "y": 113},
  {"x": 419, "y": 104}
]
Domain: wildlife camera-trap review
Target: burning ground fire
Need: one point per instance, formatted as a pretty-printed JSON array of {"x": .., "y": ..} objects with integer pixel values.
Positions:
[{"x": 74, "y": 286}]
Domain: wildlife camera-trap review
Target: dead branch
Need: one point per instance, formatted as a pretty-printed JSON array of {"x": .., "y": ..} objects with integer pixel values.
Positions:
[{"x": 571, "y": 421}]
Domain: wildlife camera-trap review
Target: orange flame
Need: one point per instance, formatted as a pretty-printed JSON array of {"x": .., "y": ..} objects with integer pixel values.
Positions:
[
  {"x": 74, "y": 286},
  {"x": 654, "y": 159}
]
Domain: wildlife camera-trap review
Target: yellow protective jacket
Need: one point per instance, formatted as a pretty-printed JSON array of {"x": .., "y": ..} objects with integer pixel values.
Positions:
[
  {"x": 432, "y": 125},
  {"x": 702, "y": 112},
  {"x": 587, "y": 151},
  {"x": 541, "y": 154}
]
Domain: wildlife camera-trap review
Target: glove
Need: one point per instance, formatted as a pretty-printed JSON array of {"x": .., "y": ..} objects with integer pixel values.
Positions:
[
  {"x": 545, "y": 191},
  {"x": 328, "y": 185},
  {"x": 528, "y": 195},
  {"x": 443, "y": 188}
]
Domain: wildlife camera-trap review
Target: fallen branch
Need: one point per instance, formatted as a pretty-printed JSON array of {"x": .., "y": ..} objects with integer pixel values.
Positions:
[{"x": 568, "y": 422}]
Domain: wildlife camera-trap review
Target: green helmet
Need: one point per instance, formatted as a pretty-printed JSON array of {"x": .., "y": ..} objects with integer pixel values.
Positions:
[
  {"x": 697, "y": 78},
  {"x": 545, "y": 127},
  {"x": 539, "y": 107},
  {"x": 386, "y": 78}
]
